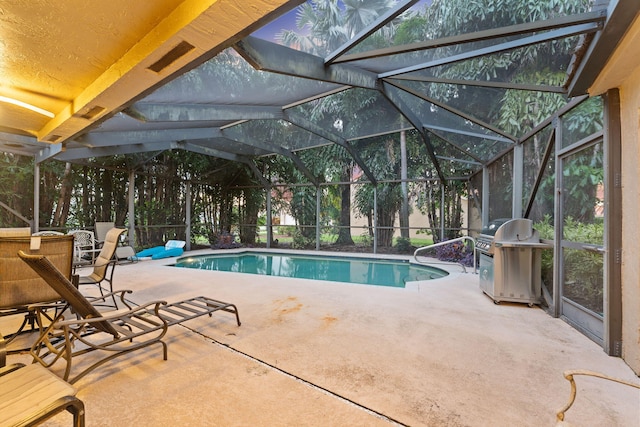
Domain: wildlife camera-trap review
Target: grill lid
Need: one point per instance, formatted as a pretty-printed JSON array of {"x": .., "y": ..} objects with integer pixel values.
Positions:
[
  {"x": 491, "y": 228},
  {"x": 518, "y": 230}
]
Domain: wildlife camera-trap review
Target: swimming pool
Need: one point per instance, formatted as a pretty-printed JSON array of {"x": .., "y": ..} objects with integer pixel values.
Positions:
[{"x": 368, "y": 271}]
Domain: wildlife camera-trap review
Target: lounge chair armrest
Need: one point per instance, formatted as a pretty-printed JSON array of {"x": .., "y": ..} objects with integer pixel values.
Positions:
[
  {"x": 111, "y": 262},
  {"x": 46, "y": 305},
  {"x": 114, "y": 315},
  {"x": 119, "y": 293}
]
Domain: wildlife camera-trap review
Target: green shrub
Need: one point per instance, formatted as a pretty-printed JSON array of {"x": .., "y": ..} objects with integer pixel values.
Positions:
[
  {"x": 403, "y": 245},
  {"x": 302, "y": 242},
  {"x": 583, "y": 275}
]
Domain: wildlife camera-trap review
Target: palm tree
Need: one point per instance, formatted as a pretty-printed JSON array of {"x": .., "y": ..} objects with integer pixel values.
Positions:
[{"x": 324, "y": 25}]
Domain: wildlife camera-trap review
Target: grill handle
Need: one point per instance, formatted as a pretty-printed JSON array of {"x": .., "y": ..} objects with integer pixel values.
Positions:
[{"x": 594, "y": 248}]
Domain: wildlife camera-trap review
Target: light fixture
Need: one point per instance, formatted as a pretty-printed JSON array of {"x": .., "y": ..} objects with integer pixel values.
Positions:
[{"x": 27, "y": 106}]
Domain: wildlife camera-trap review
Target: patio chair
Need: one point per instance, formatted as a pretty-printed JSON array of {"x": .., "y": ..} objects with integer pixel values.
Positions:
[
  {"x": 105, "y": 263},
  {"x": 120, "y": 332},
  {"x": 569, "y": 375},
  {"x": 20, "y": 287},
  {"x": 84, "y": 246},
  {"x": 32, "y": 394},
  {"x": 101, "y": 229}
]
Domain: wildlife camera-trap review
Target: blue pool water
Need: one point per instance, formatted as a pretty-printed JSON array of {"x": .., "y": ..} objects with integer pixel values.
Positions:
[{"x": 367, "y": 271}]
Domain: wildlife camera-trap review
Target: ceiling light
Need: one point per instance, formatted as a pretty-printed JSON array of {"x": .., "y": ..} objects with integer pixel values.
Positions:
[{"x": 27, "y": 106}]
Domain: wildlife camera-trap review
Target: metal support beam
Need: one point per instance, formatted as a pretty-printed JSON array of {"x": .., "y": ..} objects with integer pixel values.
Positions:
[
  {"x": 613, "y": 225},
  {"x": 549, "y": 151},
  {"x": 265, "y": 182},
  {"x": 323, "y": 133},
  {"x": 557, "y": 221},
  {"x": 621, "y": 15},
  {"x": 517, "y": 181},
  {"x": 85, "y": 153},
  {"x": 417, "y": 124},
  {"x": 457, "y": 147},
  {"x": 267, "y": 189},
  {"x": 370, "y": 29},
  {"x": 404, "y": 210},
  {"x": 480, "y": 83},
  {"x": 375, "y": 220},
  {"x": 502, "y": 47},
  {"x": 512, "y": 30},
  {"x": 187, "y": 209},
  {"x": 442, "y": 198},
  {"x": 152, "y": 112},
  {"x": 131, "y": 209},
  {"x": 111, "y": 139},
  {"x": 281, "y": 151},
  {"x": 268, "y": 56},
  {"x": 485, "y": 196},
  {"x": 181, "y": 145},
  {"x": 318, "y": 231},
  {"x": 35, "y": 225},
  {"x": 48, "y": 152},
  {"x": 452, "y": 110}
]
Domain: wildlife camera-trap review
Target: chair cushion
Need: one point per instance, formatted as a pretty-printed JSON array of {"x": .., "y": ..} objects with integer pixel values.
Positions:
[
  {"x": 168, "y": 253},
  {"x": 150, "y": 251},
  {"x": 19, "y": 286},
  {"x": 171, "y": 244},
  {"x": 27, "y": 391}
]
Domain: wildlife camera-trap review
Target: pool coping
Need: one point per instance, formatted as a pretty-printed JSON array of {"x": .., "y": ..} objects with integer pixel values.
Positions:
[{"x": 452, "y": 269}]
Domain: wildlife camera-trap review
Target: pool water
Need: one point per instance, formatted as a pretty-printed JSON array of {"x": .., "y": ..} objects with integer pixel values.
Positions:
[{"x": 367, "y": 271}]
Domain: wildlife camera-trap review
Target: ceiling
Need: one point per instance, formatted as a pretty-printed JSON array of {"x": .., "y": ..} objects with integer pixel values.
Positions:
[
  {"x": 82, "y": 61},
  {"x": 207, "y": 76}
]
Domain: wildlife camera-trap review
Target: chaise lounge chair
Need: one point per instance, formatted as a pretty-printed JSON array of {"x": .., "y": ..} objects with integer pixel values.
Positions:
[
  {"x": 170, "y": 249},
  {"x": 118, "y": 332}
]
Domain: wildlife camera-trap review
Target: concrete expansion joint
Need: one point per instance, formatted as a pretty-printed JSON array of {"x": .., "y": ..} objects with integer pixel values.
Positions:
[{"x": 307, "y": 383}]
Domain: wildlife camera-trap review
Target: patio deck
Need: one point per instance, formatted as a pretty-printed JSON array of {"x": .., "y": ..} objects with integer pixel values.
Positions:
[{"x": 326, "y": 354}]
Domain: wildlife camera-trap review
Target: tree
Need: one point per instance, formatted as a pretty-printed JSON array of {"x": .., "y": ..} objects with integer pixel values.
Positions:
[
  {"x": 383, "y": 154},
  {"x": 330, "y": 25}
]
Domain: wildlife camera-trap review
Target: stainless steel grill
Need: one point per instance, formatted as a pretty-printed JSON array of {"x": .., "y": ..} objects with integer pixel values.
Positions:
[{"x": 510, "y": 261}]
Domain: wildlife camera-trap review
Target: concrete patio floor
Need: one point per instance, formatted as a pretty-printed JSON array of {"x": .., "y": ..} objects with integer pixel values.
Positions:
[{"x": 438, "y": 353}]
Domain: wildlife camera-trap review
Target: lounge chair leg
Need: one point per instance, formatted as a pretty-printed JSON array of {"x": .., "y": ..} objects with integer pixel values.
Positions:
[
  {"x": 77, "y": 410},
  {"x": 235, "y": 310}
]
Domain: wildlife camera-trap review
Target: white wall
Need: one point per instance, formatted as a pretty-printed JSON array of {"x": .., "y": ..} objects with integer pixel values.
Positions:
[{"x": 630, "y": 117}]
